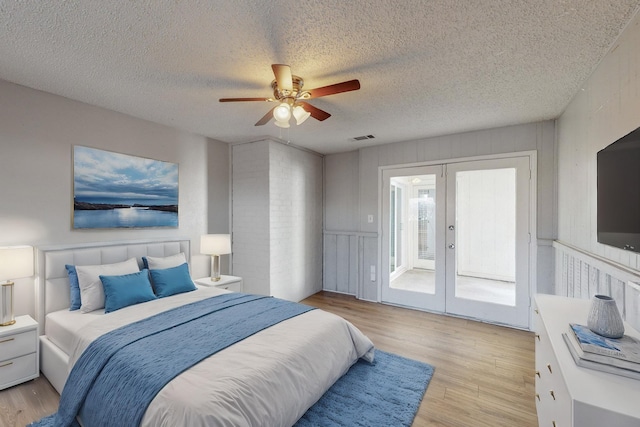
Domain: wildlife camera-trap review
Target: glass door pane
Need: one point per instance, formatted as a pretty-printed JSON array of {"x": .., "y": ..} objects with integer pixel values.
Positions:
[
  {"x": 425, "y": 244},
  {"x": 396, "y": 228},
  {"x": 485, "y": 235},
  {"x": 392, "y": 230}
]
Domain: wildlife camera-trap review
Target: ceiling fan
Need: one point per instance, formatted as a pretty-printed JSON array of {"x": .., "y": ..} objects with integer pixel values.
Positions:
[{"x": 291, "y": 98}]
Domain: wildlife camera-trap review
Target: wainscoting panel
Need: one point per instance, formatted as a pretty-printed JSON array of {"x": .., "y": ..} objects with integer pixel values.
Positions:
[
  {"x": 580, "y": 274},
  {"x": 344, "y": 254},
  {"x": 341, "y": 262}
]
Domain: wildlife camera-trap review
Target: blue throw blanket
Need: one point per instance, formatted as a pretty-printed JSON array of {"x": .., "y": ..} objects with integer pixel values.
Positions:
[{"x": 120, "y": 373}]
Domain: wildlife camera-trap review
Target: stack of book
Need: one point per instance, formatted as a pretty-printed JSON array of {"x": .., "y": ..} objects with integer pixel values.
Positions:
[{"x": 616, "y": 356}]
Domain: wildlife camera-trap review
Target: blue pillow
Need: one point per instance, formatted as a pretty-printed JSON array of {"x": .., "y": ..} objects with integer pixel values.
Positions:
[
  {"x": 171, "y": 281},
  {"x": 128, "y": 289},
  {"x": 74, "y": 287}
]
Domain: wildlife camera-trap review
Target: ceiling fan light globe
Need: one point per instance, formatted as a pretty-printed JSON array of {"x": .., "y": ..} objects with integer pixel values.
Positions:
[
  {"x": 282, "y": 113},
  {"x": 282, "y": 124},
  {"x": 300, "y": 114}
]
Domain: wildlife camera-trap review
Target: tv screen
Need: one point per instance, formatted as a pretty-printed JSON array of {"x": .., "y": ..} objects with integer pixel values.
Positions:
[{"x": 619, "y": 193}]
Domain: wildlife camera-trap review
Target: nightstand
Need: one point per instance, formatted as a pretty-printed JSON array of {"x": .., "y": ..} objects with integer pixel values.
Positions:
[
  {"x": 231, "y": 283},
  {"x": 19, "y": 350}
]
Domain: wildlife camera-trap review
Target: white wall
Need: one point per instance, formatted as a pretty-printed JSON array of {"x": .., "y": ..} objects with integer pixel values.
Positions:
[
  {"x": 218, "y": 197},
  {"x": 277, "y": 219},
  {"x": 343, "y": 242},
  {"x": 295, "y": 193},
  {"x": 534, "y": 136},
  {"x": 37, "y": 133},
  {"x": 606, "y": 108},
  {"x": 250, "y": 201},
  {"x": 342, "y": 185}
]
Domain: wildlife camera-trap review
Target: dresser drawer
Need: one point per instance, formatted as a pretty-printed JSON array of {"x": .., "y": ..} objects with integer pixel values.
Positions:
[
  {"x": 554, "y": 404},
  {"x": 12, "y": 346},
  {"x": 553, "y": 401},
  {"x": 17, "y": 370}
]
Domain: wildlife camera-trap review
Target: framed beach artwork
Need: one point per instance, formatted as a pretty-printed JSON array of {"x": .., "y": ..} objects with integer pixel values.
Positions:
[{"x": 112, "y": 190}]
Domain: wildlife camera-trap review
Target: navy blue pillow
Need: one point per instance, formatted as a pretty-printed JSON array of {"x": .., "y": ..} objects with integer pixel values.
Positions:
[
  {"x": 128, "y": 289},
  {"x": 74, "y": 287},
  {"x": 171, "y": 281}
]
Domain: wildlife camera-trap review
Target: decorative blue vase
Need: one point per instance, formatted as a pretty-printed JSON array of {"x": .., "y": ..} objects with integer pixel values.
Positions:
[{"x": 604, "y": 318}]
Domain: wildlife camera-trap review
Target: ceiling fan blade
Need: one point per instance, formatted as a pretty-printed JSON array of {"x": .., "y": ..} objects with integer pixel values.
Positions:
[
  {"x": 283, "y": 76},
  {"x": 243, "y": 99},
  {"x": 316, "y": 113},
  {"x": 267, "y": 117},
  {"x": 335, "y": 88}
]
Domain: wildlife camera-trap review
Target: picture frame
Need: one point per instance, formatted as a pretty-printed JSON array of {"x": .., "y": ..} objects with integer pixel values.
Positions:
[{"x": 114, "y": 190}]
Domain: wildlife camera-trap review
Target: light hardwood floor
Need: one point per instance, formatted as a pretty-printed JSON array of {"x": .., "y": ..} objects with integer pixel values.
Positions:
[{"x": 484, "y": 373}]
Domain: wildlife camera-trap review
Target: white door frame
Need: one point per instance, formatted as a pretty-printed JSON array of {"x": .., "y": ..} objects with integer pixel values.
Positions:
[{"x": 533, "y": 209}]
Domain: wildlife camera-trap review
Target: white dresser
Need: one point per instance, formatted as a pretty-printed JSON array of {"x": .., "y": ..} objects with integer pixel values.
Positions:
[
  {"x": 569, "y": 395},
  {"x": 19, "y": 352}
]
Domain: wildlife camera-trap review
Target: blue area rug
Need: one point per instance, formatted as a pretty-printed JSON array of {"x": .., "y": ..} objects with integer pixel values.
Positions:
[{"x": 385, "y": 393}]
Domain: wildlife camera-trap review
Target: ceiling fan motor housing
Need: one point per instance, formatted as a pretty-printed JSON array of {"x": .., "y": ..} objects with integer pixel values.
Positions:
[{"x": 290, "y": 96}]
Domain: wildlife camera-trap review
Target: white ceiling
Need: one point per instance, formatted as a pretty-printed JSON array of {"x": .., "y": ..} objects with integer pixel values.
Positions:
[{"x": 426, "y": 67}]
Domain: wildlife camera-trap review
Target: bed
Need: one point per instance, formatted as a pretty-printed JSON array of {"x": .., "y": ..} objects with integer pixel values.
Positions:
[{"x": 268, "y": 378}]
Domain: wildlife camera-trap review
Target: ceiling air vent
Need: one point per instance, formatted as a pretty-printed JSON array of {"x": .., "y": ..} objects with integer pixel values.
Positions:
[{"x": 363, "y": 137}]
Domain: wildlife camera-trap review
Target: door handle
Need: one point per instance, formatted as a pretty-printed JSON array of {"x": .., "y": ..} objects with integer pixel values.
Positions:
[{"x": 452, "y": 246}]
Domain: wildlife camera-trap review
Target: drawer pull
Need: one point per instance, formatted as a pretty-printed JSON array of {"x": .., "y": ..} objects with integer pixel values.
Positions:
[
  {"x": 536, "y": 310},
  {"x": 538, "y": 336},
  {"x": 549, "y": 367},
  {"x": 538, "y": 397},
  {"x": 552, "y": 394},
  {"x": 538, "y": 374},
  {"x": 7, "y": 340},
  {"x": 6, "y": 364}
]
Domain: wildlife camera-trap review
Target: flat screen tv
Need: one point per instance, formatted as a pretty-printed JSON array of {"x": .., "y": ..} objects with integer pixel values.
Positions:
[{"x": 619, "y": 193}]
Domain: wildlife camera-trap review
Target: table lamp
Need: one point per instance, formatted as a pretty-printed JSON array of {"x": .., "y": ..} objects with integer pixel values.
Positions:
[
  {"x": 15, "y": 262},
  {"x": 215, "y": 245}
]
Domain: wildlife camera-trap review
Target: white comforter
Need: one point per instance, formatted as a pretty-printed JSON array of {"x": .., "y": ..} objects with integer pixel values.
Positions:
[{"x": 268, "y": 379}]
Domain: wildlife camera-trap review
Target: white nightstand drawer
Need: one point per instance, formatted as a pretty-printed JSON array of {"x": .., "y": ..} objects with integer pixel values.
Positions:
[
  {"x": 230, "y": 283},
  {"x": 15, "y": 345},
  {"x": 233, "y": 287},
  {"x": 18, "y": 370}
]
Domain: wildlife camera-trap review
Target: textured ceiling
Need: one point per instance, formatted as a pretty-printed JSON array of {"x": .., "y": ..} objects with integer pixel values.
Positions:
[{"x": 426, "y": 68}]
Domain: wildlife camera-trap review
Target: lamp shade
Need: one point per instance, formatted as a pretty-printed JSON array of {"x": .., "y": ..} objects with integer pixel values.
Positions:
[
  {"x": 300, "y": 114},
  {"x": 215, "y": 244},
  {"x": 282, "y": 112},
  {"x": 284, "y": 125},
  {"x": 16, "y": 262}
]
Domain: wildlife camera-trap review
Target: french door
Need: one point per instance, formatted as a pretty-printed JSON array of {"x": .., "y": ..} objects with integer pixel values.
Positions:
[
  {"x": 456, "y": 238},
  {"x": 413, "y": 266}
]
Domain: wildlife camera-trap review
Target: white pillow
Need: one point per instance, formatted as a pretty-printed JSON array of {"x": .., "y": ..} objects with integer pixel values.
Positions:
[
  {"x": 160, "y": 263},
  {"x": 91, "y": 291}
]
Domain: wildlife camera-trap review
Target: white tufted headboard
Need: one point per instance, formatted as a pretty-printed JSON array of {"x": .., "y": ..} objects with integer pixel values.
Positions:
[{"x": 52, "y": 282}]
